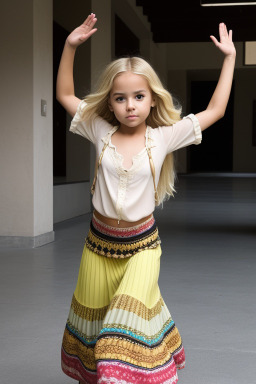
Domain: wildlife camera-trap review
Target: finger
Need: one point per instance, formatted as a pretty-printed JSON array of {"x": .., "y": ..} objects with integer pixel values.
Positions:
[
  {"x": 230, "y": 35},
  {"x": 89, "y": 19},
  {"x": 82, "y": 37},
  {"x": 223, "y": 32},
  {"x": 85, "y": 36},
  {"x": 92, "y": 32},
  {"x": 220, "y": 29},
  {"x": 225, "y": 29},
  {"x": 92, "y": 23},
  {"x": 213, "y": 38}
]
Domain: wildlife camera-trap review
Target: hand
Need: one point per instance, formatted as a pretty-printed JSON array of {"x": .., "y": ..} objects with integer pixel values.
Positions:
[
  {"x": 83, "y": 32},
  {"x": 225, "y": 44}
]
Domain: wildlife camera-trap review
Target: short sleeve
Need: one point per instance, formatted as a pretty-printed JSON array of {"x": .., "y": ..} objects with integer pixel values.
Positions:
[
  {"x": 92, "y": 130},
  {"x": 186, "y": 132}
]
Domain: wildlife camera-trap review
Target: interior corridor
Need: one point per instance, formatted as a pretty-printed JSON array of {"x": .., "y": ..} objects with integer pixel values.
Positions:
[{"x": 208, "y": 280}]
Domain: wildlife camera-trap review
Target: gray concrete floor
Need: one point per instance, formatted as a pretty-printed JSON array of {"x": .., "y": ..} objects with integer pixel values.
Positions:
[{"x": 208, "y": 280}]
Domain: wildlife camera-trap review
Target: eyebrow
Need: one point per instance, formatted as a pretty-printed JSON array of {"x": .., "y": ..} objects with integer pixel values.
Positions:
[{"x": 123, "y": 93}]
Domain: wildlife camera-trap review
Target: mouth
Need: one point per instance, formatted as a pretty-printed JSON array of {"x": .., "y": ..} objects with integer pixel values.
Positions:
[{"x": 131, "y": 117}]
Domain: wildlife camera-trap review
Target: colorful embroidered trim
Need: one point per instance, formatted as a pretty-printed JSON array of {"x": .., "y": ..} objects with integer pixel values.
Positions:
[
  {"x": 84, "y": 348},
  {"x": 122, "y": 232},
  {"x": 115, "y": 243}
]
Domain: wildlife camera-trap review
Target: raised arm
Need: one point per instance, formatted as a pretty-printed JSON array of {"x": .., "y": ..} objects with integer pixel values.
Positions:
[
  {"x": 65, "y": 83},
  {"x": 218, "y": 103}
]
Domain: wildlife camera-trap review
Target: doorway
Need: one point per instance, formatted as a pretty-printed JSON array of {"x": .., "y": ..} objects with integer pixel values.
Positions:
[{"x": 216, "y": 152}]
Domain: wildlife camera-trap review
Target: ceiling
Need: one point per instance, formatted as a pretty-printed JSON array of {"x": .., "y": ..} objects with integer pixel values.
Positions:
[{"x": 188, "y": 21}]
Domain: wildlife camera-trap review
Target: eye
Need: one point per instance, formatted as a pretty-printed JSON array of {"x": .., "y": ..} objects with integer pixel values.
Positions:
[
  {"x": 140, "y": 97},
  {"x": 120, "y": 99}
]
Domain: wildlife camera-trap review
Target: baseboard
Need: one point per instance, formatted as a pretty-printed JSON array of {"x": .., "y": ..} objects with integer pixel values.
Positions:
[{"x": 26, "y": 241}]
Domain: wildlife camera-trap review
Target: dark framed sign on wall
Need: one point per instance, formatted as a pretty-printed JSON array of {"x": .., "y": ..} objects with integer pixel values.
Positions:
[{"x": 250, "y": 53}]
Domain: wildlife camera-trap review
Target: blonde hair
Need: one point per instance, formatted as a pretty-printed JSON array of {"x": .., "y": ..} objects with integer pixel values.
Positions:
[{"x": 164, "y": 113}]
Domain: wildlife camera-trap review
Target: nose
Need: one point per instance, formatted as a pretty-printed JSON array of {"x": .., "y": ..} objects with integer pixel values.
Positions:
[{"x": 130, "y": 105}]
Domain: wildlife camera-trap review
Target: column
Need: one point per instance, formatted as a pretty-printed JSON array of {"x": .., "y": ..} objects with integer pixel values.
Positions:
[{"x": 26, "y": 218}]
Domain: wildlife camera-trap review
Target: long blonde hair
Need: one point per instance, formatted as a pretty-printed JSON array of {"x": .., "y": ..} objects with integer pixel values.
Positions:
[{"x": 164, "y": 113}]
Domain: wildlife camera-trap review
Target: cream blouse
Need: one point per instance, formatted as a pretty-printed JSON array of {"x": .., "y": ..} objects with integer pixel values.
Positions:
[{"x": 128, "y": 194}]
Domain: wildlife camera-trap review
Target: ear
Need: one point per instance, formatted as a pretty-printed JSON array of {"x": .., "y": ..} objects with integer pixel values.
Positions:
[
  {"x": 110, "y": 106},
  {"x": 153, "y": 104}
]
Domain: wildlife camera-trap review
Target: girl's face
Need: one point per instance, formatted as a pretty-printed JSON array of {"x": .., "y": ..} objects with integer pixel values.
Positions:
[{"x": 131, "y": 100}]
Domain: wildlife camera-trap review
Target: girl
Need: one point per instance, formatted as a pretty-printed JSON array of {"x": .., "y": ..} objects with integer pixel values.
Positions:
[{"x": 119, "y": 329}]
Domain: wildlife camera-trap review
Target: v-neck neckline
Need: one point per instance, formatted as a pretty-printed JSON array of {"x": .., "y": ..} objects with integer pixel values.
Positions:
[{"x": 121, "y": 157}]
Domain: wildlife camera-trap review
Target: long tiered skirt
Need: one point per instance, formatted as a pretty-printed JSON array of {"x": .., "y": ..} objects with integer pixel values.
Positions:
[{"x": 119, "y": 329}]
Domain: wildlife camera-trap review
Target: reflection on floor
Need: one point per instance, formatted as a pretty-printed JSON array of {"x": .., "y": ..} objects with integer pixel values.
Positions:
[{"x": 207, "y": 279}]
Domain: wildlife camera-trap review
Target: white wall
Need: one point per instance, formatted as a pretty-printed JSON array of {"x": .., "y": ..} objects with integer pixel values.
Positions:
[
  {"x": 42, "y": 126},
  {"x": 16, "y": 101},
  {"x": 70, "y": 200},
  {"x": 26, "y": 137}
]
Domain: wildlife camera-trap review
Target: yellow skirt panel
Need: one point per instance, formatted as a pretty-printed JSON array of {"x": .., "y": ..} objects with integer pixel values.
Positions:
[{"x": 100, "y": 278}]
